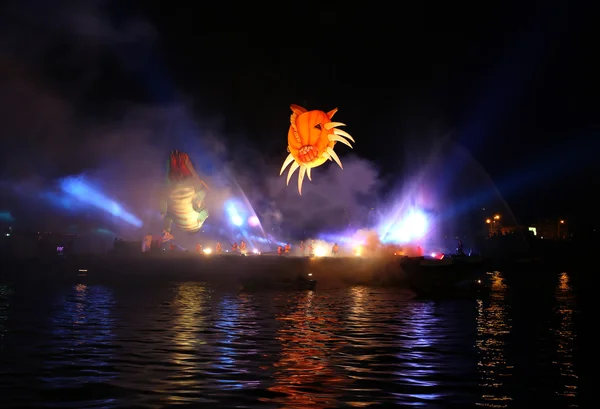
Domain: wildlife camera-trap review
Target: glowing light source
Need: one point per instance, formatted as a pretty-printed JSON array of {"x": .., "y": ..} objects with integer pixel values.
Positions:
[
  {"x": 320, "y": 251},
  {"x": 207, "y": 251},
  {"x": 253, "y": 221},
  {"x": 413, "y": 226},
  {"x": 416, "y": 224}
]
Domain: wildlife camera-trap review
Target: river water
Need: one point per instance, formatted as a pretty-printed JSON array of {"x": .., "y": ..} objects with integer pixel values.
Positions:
[{"x": 78, "y": 345}]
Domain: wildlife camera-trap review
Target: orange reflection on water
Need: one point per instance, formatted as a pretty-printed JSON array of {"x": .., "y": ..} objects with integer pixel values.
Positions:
[
  {"x": 305, "y": 374},
  {"x": 493, "y": 327},
  {"x": 359, "y": 297},
  {"x": 189, "y": 316},
  {"x": 188, "y": 319},
  {"x": 565, "y": 338}
]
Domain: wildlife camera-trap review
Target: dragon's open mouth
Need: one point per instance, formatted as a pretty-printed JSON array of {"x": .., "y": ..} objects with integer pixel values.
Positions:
[{"x": 178, "y": 166}]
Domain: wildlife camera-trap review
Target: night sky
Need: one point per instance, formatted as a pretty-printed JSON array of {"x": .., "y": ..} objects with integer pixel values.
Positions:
[{"x": 514, "y": 85}]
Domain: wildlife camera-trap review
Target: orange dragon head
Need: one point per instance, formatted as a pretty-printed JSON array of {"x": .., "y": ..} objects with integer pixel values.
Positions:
[{"x": 311, "y": 139}]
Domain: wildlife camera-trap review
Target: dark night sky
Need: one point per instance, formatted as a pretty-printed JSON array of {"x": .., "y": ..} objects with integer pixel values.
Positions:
[{"x": 514, "y": 84}]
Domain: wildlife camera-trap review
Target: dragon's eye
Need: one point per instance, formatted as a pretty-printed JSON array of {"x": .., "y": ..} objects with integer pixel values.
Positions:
[{"x": 318, "y": 126}]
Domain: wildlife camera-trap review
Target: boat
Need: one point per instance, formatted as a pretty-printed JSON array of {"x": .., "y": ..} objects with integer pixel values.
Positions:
[
  {"x": 436, "y": 263},
  {"x": 446, "y": 263}
]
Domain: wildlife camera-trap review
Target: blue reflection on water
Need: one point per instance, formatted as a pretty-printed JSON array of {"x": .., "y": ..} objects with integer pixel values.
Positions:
[
  {"x": 419, "y": 340},
  {"x": 238, "y": 328},
  {"x": 83, "y": 341}
]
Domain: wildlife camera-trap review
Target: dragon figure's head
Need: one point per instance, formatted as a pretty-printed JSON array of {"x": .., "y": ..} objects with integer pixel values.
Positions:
[{"x": 180, "y": 167}]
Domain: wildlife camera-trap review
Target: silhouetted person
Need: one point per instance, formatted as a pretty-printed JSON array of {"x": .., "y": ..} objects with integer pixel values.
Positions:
[
  {"x": 335, "y": 250},
  {"x": 459, "y": 249},
  {"x": 147, "y": 243}
]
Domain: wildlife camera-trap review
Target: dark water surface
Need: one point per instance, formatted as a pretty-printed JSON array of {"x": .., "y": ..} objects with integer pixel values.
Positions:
[{"x": 184, "y": 343}]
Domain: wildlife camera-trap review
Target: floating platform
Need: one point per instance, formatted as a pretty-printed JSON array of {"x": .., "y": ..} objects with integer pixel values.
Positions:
[{"x": 251, "y": 271}]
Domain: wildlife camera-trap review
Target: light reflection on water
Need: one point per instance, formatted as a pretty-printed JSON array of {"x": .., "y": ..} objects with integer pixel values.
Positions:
[
  {"x": 83, "y": 343},
  {"x": 306, "y": 373},
  {"x": 493, "y": 328},
  {"x": 238, "y": 346},
  {"x": 565, "y": 339},
  {"x": 5, "y": 293},
  {"x": 188, "y": 312},
  {"x": 186, "y": 343}
]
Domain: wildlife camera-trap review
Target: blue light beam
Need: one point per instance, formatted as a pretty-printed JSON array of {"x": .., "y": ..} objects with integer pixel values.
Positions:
[
  {"x": 234, "y": 215},
  {"x": 6, "y": 216},
  {"x": 86, "y": 194}
]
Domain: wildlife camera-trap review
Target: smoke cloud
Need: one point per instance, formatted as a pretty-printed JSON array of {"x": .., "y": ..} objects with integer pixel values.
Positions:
[
  {"x": 62, "y": 117},
  {"x": 335, "y": 199}
]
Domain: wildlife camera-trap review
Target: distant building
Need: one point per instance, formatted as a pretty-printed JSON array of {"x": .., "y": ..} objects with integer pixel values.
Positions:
[
  {"x": 552, "y": 229},
  {"x": 495, "y": 226},
  {"x": 505, "y": 230}
]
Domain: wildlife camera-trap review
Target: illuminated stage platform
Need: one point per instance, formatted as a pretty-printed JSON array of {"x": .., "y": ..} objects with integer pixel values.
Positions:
[{"x": 236, "y": 270}]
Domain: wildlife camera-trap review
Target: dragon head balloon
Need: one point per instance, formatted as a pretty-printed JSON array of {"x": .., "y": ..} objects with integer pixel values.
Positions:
[
  {"x": 311, "y": 138},
  {"x": 183, "y": 197}
]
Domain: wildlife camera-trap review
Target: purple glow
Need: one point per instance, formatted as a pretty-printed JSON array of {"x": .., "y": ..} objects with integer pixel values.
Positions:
[{"x": 253, "y": 221}]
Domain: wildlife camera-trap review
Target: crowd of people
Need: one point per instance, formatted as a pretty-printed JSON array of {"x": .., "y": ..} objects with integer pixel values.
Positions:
[{"x": 149, "y": 243}]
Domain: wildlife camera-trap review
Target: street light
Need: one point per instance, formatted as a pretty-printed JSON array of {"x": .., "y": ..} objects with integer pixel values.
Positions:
[
  {"x": 488, "y": 221},
  {"x": 497, "y": 217}
]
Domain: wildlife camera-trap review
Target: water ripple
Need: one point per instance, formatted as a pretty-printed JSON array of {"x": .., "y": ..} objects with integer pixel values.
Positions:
[{"x": 185, "y": 343}]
